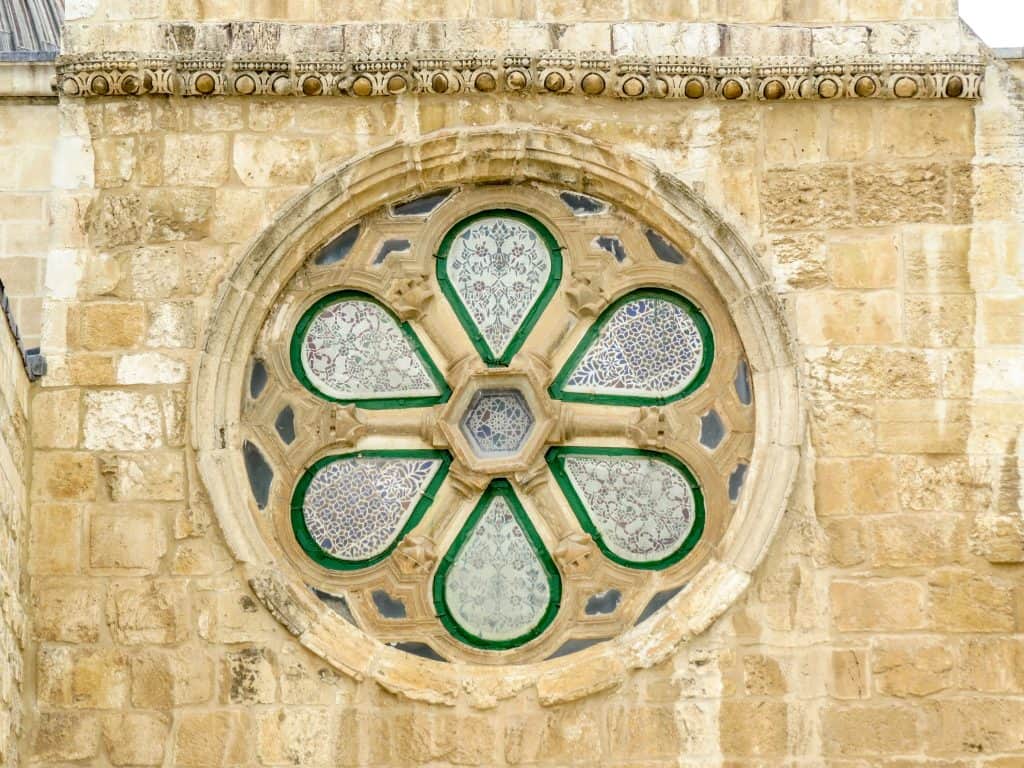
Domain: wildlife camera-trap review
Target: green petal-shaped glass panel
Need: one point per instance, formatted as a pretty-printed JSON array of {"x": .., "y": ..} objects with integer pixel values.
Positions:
[
  {"x": 349, "y": 511},
  {"x": 350, "y": 348},
  {"x": 644, "y": 509},
  {"x": 497, "y": 587},
  {"x": 649, "y": 347},
  {"x": 498, "y": 270}
]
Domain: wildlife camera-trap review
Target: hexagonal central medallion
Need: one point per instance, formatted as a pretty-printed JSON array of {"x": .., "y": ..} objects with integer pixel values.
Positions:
[{"x": 497, "y": 422}]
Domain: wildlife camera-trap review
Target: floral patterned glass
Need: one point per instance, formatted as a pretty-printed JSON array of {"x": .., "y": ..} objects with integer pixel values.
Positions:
[
  {"x": 496, "y": 585},
  {"x": 497, "y": 422}
]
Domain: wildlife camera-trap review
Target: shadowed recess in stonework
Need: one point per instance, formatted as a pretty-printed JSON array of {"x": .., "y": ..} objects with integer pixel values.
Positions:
[
  {"x": 338, "y": 248},
  {"x": 336, "y": 603},
  {"x": 743, "y": 383},
  {"x": 663, "y": 249},
  {"x": 576, "y": 645},
  {"x": 259, "y": 472},
  {"x": 736, "y": 481},
  {"x": 583, "y": 205},
  {"x": 419, "y": 649},
  {"x": 614, "y": 246},
  {"x": 387, "y": 606},
  {"x": 257, "y": 379},
  {"x": 421, "y": 206},
  {"x": 712, "y": 429},
  {"x": 603, "y": 602},
  {"x": 285, "y": 425},
  {"x": 389, "y": 247},
  {"x": 658, "y": 601}
]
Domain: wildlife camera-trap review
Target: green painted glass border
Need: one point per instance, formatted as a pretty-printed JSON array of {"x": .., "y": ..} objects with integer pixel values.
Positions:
[
  {"x": 327, "y": 560},
  {"x": 374, "y": 403},
  {"x": 539, "y": 305},
  {"x": 556, "y": 461},
  {"x": 504, "y": 489},
  {"x": 557, "y": 388}
]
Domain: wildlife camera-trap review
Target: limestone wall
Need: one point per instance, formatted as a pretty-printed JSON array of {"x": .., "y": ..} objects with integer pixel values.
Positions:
[
  {"x": 886, "y": 624},
  {"x": 27, "y": 134},
  {"x": 15, "y": 453}
]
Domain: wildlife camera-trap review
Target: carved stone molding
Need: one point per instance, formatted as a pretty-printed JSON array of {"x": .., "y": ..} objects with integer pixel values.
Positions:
[{"x": 679, "y": 78}]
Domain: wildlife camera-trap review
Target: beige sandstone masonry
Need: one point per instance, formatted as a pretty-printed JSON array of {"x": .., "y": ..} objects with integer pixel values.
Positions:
[{"x": 882, "y": 626}]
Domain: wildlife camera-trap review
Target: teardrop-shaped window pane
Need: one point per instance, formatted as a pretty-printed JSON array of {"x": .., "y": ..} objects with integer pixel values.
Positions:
[
  {"x": 350, "y": 511},
  {"x": 348, "y": 348},
  {"x": 498, "y": 270},
  {"x": 644, "y": 509},
  {"x": 649, "y": 347},
  {"x": 497, "y": 587}
]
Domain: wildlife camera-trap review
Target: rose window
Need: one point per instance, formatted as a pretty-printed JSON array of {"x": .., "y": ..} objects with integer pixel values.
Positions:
[{"x": 498, "y": 424}]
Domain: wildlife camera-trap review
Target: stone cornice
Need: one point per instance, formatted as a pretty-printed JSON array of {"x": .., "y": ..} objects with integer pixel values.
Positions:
[{"x": 556, "y": 72}]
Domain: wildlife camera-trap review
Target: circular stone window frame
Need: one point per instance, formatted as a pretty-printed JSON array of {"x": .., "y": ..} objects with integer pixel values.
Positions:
[{"x": 513, "y": 154}]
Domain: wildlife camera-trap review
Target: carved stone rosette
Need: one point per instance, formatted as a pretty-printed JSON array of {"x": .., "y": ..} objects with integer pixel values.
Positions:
[{"x": 593, "y": 74}]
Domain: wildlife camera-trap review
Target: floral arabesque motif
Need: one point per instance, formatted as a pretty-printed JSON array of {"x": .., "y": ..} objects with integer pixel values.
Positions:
[
  {"x": 497, "y": 422},
  {"x": 497, "y": 587},
  {"x": 498, "y": 268},
  {"x": 648, "y": 347},
  {"x": 353, "y": 349},
  {"x": 643, "y": 508},
  {"x": 354, "y": 508}
]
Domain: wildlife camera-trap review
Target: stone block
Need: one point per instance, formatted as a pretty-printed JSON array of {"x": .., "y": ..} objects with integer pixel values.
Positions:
[
  {"x": 935, "y": 259},
  {"x": 942, "y": 129},
  {"x": 864, "y": 263},
  {"x": 992, "y": 665},
  {"x": 67, "y": 612},
  {"x": 126, "y": 542},
  {"x": 912, "y": 668},
  {"x": 794, "y": 133},
  {"x": 295, "y": 736},
  {"x": 163, "y": 679},
  {"x": 87, "y": 678},
  {"x": 754, "y": 728},
  {"x": 117, "y": 420},
  {"x": 900, "y": 193},
  {"x": 916, "y": 540},
  {"x": 804, "y": 198},
  {"x": 151, "y": 368},
  {"x": 843, "y": 543},
  {"x": 150, "y": 612},
  {"x": 115, "y": 161},
  {"x": 1001, "y": 320},
  {"x": 267, "y": 161},
  {"x": 982, "y": 725},
  {"x": 213, "y": 739},
  {"x": 855, "y": 486},
  {"x": 922, "y": 426},
  {"x": 828, "y": 318},
  {"x": 64, "y": 476},
  {"x": 153, "y": 476},
  {"x": 110, "y": 325},
  {"x": 799, "y": 260},
  {"x": 66, "y": 736},
  {"x": 848, "y": 678},
  {"x": 55, "y": 539},
  {"x": 171, "y": 325},
  {"x": 177, "y": 214},
  {"x": 869, "y": 729},
  {"x": 55, "y": 419},
  {"x": 942, "y": 320},
  {"x": 877, "y": 606},
  {"x": 962, "y": 601},
  {"x": 137, "y": 738},
  {"x": 249, "y": 676},
  {"x": 763, "y": 676},
  {"x": 196, "y": 159}
]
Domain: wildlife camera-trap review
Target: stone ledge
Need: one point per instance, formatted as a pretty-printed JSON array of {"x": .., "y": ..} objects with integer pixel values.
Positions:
[{"x": 554, "y": 72}]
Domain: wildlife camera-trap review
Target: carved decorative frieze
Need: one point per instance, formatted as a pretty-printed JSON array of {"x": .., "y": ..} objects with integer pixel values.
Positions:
[{"x": 555, "y": 72}]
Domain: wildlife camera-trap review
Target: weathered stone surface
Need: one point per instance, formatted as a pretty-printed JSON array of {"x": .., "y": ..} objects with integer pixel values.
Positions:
[
  {"x": 150, "y": 612},
  {"x": 124, "y": 421},
  {"x": 877, "y": 606}
]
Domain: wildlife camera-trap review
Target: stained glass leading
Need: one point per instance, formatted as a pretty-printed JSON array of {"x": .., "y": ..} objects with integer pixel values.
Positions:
[
  {"x": 650, "y": 346},
  {"x": 351, "y": 510},
  {"x": 642, "y": 508},
  {"x": 497, "y": 422},
  {"x": 350, "y": 348},
  {"x": 497, "y": 587},
  {"x": 498, "y": 270}
]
